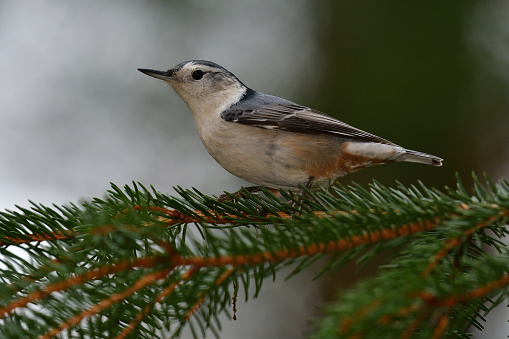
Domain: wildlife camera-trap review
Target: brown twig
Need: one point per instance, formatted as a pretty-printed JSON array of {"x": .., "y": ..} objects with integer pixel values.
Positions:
[
  {"x": 80, "y": 279},
  {"x": 202, "y": 296},
  {"x": 26, "y": 238},
  {"x": 462, "y": 298},
  {"x": 310, "y": 250},
  {"x": 347, "y": 323},
  {"x": 164, "y": 293},
  {"x": 234, "y": 300},
  {"x": 407, "y": 334},
  {"x": 451, "y": 244},
  {"x": 105, "y": 303},
  {"x": 430, "y": 302},
  {"x": 433, "y": 302},
  {"x": 442, "y": 323},
  {"x": 174, "y": 217}
]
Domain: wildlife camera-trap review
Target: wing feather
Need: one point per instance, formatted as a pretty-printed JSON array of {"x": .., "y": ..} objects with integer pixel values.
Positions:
[{"x": 300, "y": 119}]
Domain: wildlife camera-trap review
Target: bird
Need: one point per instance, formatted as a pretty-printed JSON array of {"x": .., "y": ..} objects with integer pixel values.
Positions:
[{"x": 270, "y": 141}]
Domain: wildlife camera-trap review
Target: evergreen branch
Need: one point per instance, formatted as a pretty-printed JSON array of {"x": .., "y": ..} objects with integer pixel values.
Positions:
[
  {"x": 59, "y": 235},
  {"x": 479, "y": 292},
  {"x": 182, "y": 253},
  {"x": 167, "y": 291},
  {"x": 441, "y": 310},
  {"x": 141, "y": 283},
  {"x": 442, "y": 323},
  {"x": 408, "y": 332},
  {"x": 451, "y": 244},
  {"x": 71, "y": 282},
  {"x": 202, "y": 296},
  {"x": 433, "y": 302},
  {"x": 308, "y": 250},
  {"x": 200, "y": 262},
  {"x": 175, "y": 217}
]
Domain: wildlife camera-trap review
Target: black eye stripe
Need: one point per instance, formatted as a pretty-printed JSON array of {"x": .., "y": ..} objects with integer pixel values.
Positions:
[{"x": 197, "y": 75}]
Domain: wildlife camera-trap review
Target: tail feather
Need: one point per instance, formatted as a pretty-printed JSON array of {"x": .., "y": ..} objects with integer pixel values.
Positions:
[
  {"x": 419, "y": 157},
  {"x": 387, "y": 153}
]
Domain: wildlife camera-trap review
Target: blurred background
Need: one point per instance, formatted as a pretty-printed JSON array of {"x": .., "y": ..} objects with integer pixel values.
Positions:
[{"x": 75, "y": 114}]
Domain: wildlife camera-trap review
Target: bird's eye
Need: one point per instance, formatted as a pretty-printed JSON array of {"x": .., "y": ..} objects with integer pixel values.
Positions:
[{"x": 197, "y": 75}]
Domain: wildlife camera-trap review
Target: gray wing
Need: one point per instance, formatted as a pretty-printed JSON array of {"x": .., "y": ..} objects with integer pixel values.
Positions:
[{"x": 288, "y": 116}]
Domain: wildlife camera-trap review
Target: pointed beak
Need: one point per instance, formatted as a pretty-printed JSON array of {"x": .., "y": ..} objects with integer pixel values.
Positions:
[{"x": 168, "y": 75}]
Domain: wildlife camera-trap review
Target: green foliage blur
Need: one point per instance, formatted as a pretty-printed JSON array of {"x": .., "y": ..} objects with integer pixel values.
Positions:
[{"x": 401, "y": 70}]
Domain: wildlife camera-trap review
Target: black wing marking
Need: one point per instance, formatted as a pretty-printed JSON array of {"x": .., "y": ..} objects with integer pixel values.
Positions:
[{"x": 299, "y": 119}]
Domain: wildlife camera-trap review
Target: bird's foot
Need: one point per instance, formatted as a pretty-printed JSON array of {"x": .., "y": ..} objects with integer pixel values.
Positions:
[{"x": 302, "y": 194}]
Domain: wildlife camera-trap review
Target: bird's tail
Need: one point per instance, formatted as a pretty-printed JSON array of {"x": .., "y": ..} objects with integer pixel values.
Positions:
[
  {"x": 388, "y": 152},
  {"x": 419, "y": 157}
]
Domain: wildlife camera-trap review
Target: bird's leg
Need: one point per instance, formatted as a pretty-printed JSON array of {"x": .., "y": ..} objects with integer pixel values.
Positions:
[
  {"x": 302, "y": 193},
  {"x": 309, "y": 183}
]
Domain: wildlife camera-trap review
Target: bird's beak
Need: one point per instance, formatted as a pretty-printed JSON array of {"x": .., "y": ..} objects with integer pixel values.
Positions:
[{"x": 168, "y": 75}]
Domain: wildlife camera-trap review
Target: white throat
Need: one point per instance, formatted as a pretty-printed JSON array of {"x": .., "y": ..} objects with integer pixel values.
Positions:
[{"x": 214, "y": 104}]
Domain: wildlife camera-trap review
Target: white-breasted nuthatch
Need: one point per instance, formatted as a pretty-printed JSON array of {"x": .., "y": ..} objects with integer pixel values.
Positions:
[{"x": 270, "y": 141}]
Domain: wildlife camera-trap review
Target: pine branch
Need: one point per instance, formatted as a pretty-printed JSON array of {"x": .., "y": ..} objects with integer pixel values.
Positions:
[{"x": 140, "y": 261}]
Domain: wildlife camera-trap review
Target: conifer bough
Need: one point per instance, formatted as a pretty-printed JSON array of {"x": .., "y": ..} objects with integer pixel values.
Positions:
[{"x": 138, "y": 263}]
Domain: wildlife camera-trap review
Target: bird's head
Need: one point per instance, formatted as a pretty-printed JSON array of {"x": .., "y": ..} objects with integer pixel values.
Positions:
[{"x": 203, "y": 85}]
